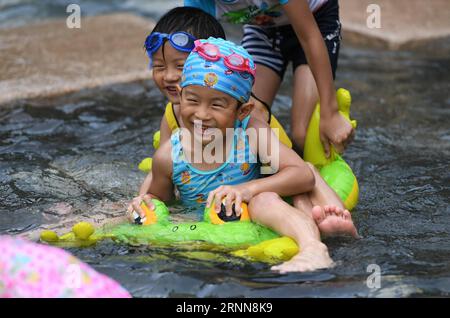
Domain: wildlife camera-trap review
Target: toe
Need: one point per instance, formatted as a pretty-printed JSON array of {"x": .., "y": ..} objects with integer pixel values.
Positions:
[
  {"x": 318, "y": 214},
  {"x": 327, "y": 210},
  {"x": 333, "y": 210},
  {"x": 347, "y": 215},
  {"x": 338, "y": 211}
]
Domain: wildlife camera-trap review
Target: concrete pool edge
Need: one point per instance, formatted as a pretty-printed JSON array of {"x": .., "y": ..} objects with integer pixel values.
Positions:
[
  {"x": 48, "y": 59},
  {"x": 403, "y": 24}
]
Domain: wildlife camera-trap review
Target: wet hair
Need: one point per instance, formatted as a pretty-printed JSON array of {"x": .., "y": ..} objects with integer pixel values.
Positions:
[{"x": 192, "y": 20}]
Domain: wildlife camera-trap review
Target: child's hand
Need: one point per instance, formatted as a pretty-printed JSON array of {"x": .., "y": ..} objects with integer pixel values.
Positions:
[
  {"x": 135, "y": 205},
  {"x": 236, "y": 194},
  {"x": 335, "y": 130}
]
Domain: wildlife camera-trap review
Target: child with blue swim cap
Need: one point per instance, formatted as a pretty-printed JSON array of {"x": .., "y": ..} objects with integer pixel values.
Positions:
[
  {"x": 168, "y": 46},
  {"x": 214, "y": 107},
  {"x": 220, "y": 65}
]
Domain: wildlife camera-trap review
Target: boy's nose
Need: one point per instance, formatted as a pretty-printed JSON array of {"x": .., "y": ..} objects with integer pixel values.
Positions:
[
  {"x": 172, "y": 75},
  {"x": 202, "y": 113}
]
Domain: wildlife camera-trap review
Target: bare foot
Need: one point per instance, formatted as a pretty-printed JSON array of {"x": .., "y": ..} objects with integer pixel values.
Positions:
[
  {"x": 332, "y": 221},
  {"x": 309, "y": 259}
]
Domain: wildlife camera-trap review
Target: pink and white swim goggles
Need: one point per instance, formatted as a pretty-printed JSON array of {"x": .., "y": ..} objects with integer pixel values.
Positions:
[{"x": 234, "y": 62}]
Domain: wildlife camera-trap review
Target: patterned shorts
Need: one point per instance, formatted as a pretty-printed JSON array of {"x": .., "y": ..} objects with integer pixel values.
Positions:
[{"x": 277, "y": 46}]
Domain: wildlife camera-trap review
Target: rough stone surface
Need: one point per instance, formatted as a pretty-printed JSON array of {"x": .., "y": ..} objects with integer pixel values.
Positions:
[
  {"x": 48, "y": 58},
  {"x": 404, "y": 23}
]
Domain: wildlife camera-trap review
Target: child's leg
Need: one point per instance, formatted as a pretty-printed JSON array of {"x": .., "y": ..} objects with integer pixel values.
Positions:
[
  {"x": 326, "y": 208},
  {"x": 270, "y": 210},
  {"x": 270, "y": 64},
  {"x": 266, "y": 87},
  {"x": 322, "y": 193},
  {"x": 304, "y": 99}
]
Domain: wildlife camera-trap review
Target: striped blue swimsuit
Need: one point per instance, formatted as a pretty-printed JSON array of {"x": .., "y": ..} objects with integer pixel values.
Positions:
[{"x": 194, "y": 185}]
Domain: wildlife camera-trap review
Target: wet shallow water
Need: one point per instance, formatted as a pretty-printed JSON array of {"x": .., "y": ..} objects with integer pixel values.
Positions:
[{"x": 75, "y": 157}]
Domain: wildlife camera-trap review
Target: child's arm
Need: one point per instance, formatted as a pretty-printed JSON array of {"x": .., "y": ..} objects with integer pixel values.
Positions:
[
  {"x": 143, "y": 190},
  {"x": 165, "y": 133},
  {"x": 161, "y": 186},
  {"x": 334, "y": 128},
  {"x": 293, "y": 175},
  {"x": 164, "y": 130},
  {"x": 158, "y": 183}
]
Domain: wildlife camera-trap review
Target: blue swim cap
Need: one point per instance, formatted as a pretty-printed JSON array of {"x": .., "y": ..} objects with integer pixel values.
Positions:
[{"x": 221, "y": 65}]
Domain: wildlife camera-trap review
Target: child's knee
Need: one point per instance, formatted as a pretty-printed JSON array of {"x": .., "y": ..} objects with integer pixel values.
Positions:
[
  {"x": 314, "y": 170},
  {"x": 265, "y": 199},
  {"x": 311, "y": 166}
]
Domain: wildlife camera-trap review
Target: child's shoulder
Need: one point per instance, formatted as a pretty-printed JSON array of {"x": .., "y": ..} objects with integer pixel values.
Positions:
[{"x": 259, "y": 128}]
